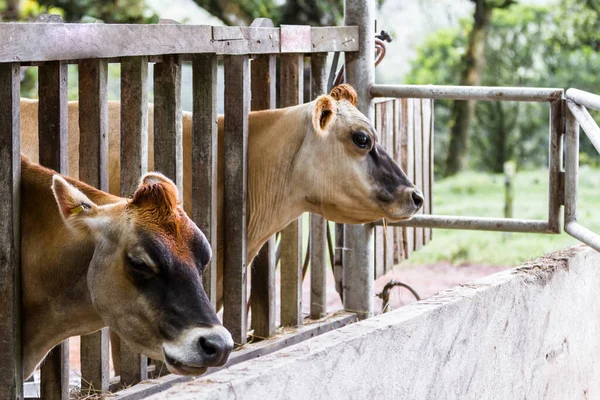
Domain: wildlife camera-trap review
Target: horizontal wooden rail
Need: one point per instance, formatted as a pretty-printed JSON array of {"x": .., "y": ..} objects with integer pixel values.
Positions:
[{"x": 36, "y": 42}]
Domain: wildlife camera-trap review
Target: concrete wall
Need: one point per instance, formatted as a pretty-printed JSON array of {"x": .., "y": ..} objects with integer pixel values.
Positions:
[{"x": 532, "y": 332}]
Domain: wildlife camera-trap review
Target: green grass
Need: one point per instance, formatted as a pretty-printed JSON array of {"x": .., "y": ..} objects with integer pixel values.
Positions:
[{"x": 480, "y": 194}]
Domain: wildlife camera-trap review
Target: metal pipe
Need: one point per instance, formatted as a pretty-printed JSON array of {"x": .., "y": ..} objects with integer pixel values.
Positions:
[
  {"x": 586, "y": 122},
  {"x": 474, "y": 223},
  {"x": 583, "y": 234},
  {"x": 489, "y": 93},
  {"x": 586, "y": 99},
  {"x": 359, "y": 260}
]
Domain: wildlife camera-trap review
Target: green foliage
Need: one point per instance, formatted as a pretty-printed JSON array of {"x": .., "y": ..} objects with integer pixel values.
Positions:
[
  {"x": 526, "y": 46},
  {"x": 109, "y": 11}
]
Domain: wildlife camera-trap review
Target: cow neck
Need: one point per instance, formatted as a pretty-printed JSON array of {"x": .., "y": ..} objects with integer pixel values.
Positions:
[
  {"x": 54, "y": 264},
  {"x": 275, "y": 137}
]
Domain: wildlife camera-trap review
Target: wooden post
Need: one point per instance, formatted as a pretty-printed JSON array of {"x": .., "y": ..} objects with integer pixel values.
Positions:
[
  {"x": 397, "y": 155},
  {"x": 360, "y": 72},
  {"x": 237, "y": 106},
  {"x": 427, "y": 160},
  {"x": 408, "y": 156},
  {"x": 204, "y": 160},
  {"x": 134, "y": 164},
  {"x": 53, "y": 145},
  {"x": 93, "y": 169},
  {"x": 11, "y": 373},
  {"x": 418, "y": 162},
  {"x": 318, "y": 224},
  {"x": 291, "y": 91},
  {"x": 168, "y": 142},
  {"x": 263, "y": 267}
]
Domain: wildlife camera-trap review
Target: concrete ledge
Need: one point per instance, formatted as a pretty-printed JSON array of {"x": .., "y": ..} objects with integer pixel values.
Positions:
[{"x": 532, "y": 332}]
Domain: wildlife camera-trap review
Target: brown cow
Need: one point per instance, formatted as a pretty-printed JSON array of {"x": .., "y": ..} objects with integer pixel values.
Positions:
[
  {"x": 320, "y": 157},
  {"x": 90, "y": 259}
]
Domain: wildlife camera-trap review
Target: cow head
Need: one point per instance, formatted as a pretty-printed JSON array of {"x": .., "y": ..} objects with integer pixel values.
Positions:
[
  {"x": 352, "y": 178},
  {"x": 145, "y": 276}
]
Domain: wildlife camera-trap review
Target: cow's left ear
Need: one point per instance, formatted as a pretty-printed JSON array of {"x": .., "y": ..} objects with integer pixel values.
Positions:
[
  {"x": 74, "y": 206},
  {"x": 344, "y": 92},
  {"x": 324, "y": 114}
]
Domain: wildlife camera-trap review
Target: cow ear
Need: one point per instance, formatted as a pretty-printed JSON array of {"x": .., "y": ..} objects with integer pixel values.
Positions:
[
  {"x": 344, "y": 92},
  {"x": 324, "y": 114},
  {"x": 74, "y": 206},
  {"x": 156, "y": 191}
]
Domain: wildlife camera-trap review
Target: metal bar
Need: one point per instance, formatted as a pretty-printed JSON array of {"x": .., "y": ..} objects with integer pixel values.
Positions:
[
  {"x": 586, "y": 122},
  {"x": 571, "y": 168},
  {"x": 583, "y": 98},
  {"x": 168, "y": 131},
  {"x": 318, "y": 224},
  {"x": 360, "y": 72},
  {"x": 204, "y": 145},
  {"x": 11, "y": 373},
  {"x": 237, "y": 106},
  {"x": 263, "y": 82},
  {"x": 53, "y": 145},
  {"x": 583, "y": 234},
  {"x": 474, "y": 223},
  {"x": 291, "y": 93},
  {"x": 131, "y": 366},
  {"x": 93, "y": 169},
  {"x": 491, "y": 93},
  {"x": 555, "y": 189}
]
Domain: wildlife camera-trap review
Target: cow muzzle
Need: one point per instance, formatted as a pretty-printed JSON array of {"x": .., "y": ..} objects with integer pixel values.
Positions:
[{"x": 197, "y": 349}]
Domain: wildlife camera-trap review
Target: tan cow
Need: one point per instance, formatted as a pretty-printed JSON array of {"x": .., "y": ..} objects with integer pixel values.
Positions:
[
  {"x": 320, "y": 157},
  {"x": 90, "y": 259}
]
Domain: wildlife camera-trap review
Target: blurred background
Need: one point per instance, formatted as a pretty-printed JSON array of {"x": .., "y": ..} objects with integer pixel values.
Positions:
[{"x": 478, "y": 146}]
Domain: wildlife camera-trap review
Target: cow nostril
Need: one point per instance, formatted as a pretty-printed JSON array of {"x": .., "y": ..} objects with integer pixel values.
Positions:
[
  {"x": 417, "y": 199},
  {"x": 208, "y": 346}
]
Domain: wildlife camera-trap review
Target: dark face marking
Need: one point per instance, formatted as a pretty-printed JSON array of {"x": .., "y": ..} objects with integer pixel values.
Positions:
[
  {"x": 386, "y": 174},
  {"x": 175, "y": 292}
]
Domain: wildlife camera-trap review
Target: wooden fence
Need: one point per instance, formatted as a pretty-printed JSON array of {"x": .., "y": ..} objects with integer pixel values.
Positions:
[{"x": 52, "y": 46}]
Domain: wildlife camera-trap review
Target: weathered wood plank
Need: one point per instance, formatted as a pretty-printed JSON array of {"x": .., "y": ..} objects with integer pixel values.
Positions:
[
  {"x": 426, "y": 112},
  {"x": 263, "y": 267},
  {"x": 93, "y": 169},
  {"x": 378, "y": 231},
  {"x": 134, "y": 164},
  {"x": 237, "y": 107},
  {"x": 291, "y": 92},
  {"x": 556, "y": 192},
  {"x": 418, "y": 162},
  {"x": 53, "y": 145},
  {"x": 168, "y": 131},
  {"x": 397, "y": 155},
  {"x": 33, "y": 42},
  {"x": 387, "y": 140},
  {"x": 204, "y": 160},
  {"x": 407, "y": 153},
  {"x": 11, "y": 373},
  {"x": 318, "y": 224},
  {"x": 134, "y": 123},
  {"x": 345, "y": 38}
]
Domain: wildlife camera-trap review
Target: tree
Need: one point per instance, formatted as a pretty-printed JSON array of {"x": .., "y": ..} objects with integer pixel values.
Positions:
[{"x": 473, "y": 62}]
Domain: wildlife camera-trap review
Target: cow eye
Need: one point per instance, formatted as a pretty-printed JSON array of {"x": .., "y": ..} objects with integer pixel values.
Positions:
[
  {"x": 361, "y": 140},
  {"x": 138, "y": 268}
]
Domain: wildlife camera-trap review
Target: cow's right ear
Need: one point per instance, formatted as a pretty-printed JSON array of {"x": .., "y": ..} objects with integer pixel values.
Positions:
[
  {"x": 324, "y": 114},
  {"x": 74, "y": 206}
]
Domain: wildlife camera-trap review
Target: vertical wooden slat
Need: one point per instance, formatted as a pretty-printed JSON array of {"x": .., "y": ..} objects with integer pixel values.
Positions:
[
  {"x": 426, "y": 113},
  {"x": 418, "y": 162},
  {"x": 53, "y": 145},
  {"x": 11, "y": 373},
  {"x": 387, "y": 140},
  {"x": 557, "y": 129},
  {"x": 237, "y": 106},
  {"x": 134, "y": 164},
  {"x": 93, "y": 169},
  {"x": 379, "y": 231},
  {"x": 407, "y": 134},
  {"x": 204, "y": 160},
  {"x": 263, "y": 267},
  {"x": 318, "y": 224},
  {"x": 291, "y": 93},
  {"x": 397, "y": 155},
  {"x": 168, "y": 139}
]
